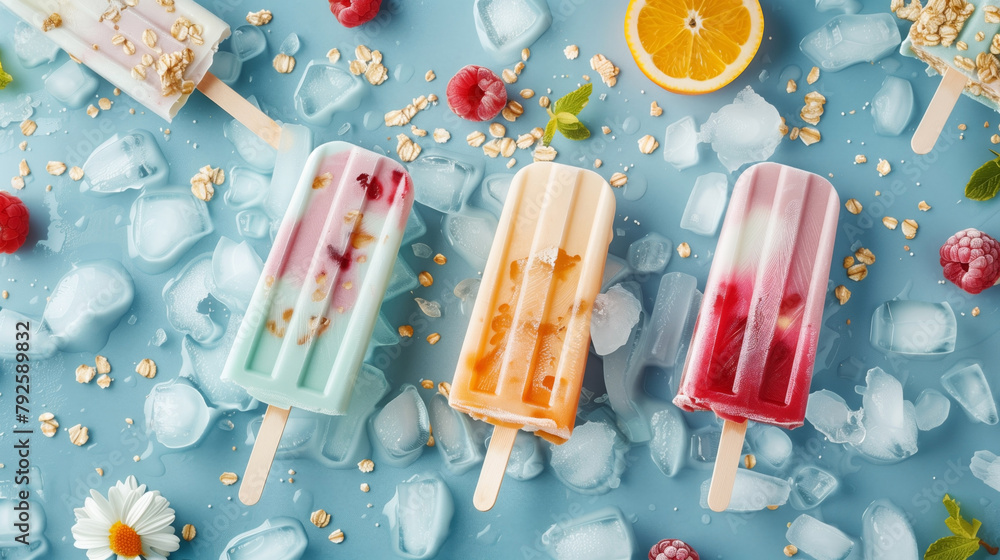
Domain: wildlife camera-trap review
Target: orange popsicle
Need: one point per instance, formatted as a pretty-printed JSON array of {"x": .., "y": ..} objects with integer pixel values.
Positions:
[{"x": 524, "y": 355}]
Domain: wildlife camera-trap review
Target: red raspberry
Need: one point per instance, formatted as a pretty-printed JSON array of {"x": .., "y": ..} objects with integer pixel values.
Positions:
[
  {"x": 352, "y": 13},
  {"x": 476, "y": 93},
  {"x": 672, "y": 549},
  {"x": 13, "y": 223},
  {"x": 971, "y": 260}
]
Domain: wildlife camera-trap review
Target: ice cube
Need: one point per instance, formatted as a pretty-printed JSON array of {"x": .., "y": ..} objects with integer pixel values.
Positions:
[
  {"x": 986, "y": 467},
  {"x": 278, "y": 538},
  {"x": 422, "y": 250},
  {"x": 326, "y": 89},
  {"x": 247, "y": 42},
  {"x": 443, "y": 180},
  {"x": 384, "y": 333},
  {"x": 850, "y": 39},
  {"x": 163, "y": 226},
  {"x": 616, "y": 269},
  {"x": 623, "y": 366},
  {"x": 401, "y": 429},
  {"x": 346, "y": 440},
  {"x": 650, "y": 254},
  {"x": 604, "y": 534},
  {"x": 12, "y": 323},
  {"x": 706, "y": 204},
  {"x": 290, "y": 45},
  {"x": 892, "y": 106},
  {"x": 72, "y": 84},
  {"x": 253, "y": 224},
  {"x": 745, "y": 131},
  {"x": 752, "y": 491},
  {"x": 968, "y": 386},
  {"x": 887, "y": 534},
  {"x": 247, "y": 188},
  {"x": 493, "y": 192},
  {"x": 680, "y": 144},
  {"x": 12, "y": 508},
  {"x": 889, "y": 421},
  {"x": 420, "y": 515},
  {"x": 415, "y": 227},
  {"x": 845, "y": 6},
  {"x": 669, "y": 445},
  {"x": 17, "y": 109},
  {"x": 470, "y": 233},
  {"x": 616, "y": 312},
  {"x": 810, "y": 486},
  {"x": 883, "y": 399},
  {"x": 914, "y": 327},
  {"x": 226, "y": 66},
  {"x": 527, "y": 458},
  {"x": 507, "y": 26},
  {"x": 705, "y": 446},
  {"x": 32, "y": 46},
  {"x": 932, "y": 409},
  {"x": 159, "y": 338},
  {"x": 293, "y": 152},
  {"x": 592, "y": 460},
  {"x": 184, "y": 295},
  {"x": 130, "y": 161},
  {"x": 235, "y": 271},
  {"x": 86, "y": 305},
  {"x": 454, "y": 436},
  {"x": 771, "y": 446},
  {"x": 403, "y": 280},
  {"x": 203, "y": 367},
  {"x": 252, "y": 148},
  {"x": 819, "y": 540},
  {"x": 176, "y": 414},
  {"x": 671, "y": 325}
]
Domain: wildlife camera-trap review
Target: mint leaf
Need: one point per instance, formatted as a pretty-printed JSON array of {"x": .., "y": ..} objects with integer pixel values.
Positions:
[
  {"x": 550, "y": 131},
  {"x": 574, "y": 101},
  {"x": 952, "y": 548},
  {"x": 959, "y": 526},
  {"x": 5, "y": 78},
  {"x": 985, "y": 181},
  {"x": 571, "y": 127}
]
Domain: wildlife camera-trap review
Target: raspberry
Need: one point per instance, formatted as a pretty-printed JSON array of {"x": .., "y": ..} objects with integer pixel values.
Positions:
[
  {"x": 672, "y": 549},
  {"x": 971, "y": 260},
  {"x": 352, "y": 13},
  {"x": 13, "y": 223},
  {"x": 476, "y": 93}
]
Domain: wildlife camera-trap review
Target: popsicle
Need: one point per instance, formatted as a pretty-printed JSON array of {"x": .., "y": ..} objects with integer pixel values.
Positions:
[
  {"x": 305, "y": 332},
  {"x": 754, "y": 344},
  {"x": 156, "y": 51},
  {"x": 960, "y": 41},
  {"x": 523, "y": 359}
]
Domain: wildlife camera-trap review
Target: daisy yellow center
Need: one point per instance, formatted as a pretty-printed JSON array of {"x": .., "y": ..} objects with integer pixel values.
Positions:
[{"x": 124, "y": 541}]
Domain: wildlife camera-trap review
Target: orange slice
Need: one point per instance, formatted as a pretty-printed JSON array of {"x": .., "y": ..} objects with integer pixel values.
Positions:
[{"x": 693, "y": 46}]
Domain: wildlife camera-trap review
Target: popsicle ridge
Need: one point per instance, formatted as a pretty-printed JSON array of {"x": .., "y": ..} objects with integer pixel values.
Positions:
[
  {"x": 755, "y": 340},
  {"x": 521, "y": 364}
]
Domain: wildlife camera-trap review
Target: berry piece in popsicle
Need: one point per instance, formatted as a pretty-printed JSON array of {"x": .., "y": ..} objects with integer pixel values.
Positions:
[
  {"x": 13, "y": 223},
  {"x": 971, "y": 260},
  {"x": 476, "y": 93},
  {"x": 352, "y": 13}
]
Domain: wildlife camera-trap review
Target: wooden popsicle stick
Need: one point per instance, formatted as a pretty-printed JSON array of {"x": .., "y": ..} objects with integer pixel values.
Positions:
[
  {"x": 241, "y": 109},
  {"x": 494, "y": 466},
  {"x": 726, "y": 463},
  {"x": 262, "y": 455},
  {"x": 938, "y": 111}
]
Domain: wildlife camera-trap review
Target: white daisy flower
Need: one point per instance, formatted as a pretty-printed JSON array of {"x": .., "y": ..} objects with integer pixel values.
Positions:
[{"x": 130, "y": 523}]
